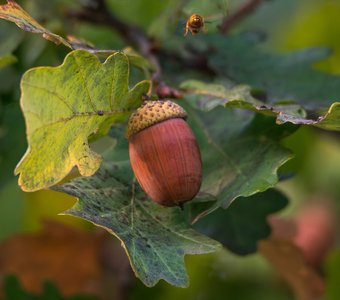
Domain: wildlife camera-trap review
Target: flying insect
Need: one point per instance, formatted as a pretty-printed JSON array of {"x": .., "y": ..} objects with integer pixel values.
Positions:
[
  {"x": 194, "y": 24},
  {"x": 208, "y": 13}
]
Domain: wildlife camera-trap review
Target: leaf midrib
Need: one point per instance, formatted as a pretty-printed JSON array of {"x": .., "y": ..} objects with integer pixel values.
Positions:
[
  {"x": 85, "y": 114},
  {"x": 170, "y": 230}
]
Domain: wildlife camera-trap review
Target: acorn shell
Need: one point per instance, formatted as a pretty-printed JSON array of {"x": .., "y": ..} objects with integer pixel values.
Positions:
[{"x": 164, "y": 155}]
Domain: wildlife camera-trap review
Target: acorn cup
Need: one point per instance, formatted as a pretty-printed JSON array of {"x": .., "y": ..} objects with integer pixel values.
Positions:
[{"x": 164, "y": 154}]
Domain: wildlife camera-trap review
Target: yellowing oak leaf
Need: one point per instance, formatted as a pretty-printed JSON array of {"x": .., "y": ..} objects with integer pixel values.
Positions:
[
  {"x": 13, "y": 12},
  {"x": 65, "y": 105}
]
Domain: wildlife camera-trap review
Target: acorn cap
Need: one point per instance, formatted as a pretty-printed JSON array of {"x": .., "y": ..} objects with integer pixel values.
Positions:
[{"x": 152, "y": 112}]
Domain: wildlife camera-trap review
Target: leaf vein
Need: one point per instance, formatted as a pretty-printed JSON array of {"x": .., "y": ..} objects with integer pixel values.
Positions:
[
  {"x": 81, "y": 72},
  {"x": 50, "y": 92},
  {"x": 219, "y": 149},
  {"x": 175, "y": 233}
]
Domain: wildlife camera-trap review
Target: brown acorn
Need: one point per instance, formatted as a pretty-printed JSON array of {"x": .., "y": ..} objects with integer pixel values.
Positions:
[{"x": 164, "y": 153}]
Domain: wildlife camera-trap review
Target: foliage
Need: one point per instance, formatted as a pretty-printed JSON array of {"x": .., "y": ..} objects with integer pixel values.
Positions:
[
  {"x": 281, "y": 76},
  {"x": 239, "y": 228},
  {"x": 208, "y": 95},
  {"x": 155, "y": 239},
  {"x": 230, "y": 169},
  {"x": 75, "y": 106},
  {"x": 242, "y": 102}
]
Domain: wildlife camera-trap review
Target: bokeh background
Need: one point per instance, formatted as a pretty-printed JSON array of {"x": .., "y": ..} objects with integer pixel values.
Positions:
[{"x": 31, "y": 229}]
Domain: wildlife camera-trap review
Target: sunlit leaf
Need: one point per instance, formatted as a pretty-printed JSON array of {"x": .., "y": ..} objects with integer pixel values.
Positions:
[
  {"x": 13, "y": 12},
  {"x": 64, "y": 106},
  {"x": 206, "y": 96}
]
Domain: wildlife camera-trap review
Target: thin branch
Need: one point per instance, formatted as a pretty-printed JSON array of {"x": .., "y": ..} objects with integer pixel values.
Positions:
[{"x": 245, "y": 9}]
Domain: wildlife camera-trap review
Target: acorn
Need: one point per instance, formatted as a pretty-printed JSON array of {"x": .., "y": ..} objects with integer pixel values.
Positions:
[{"x": 164, "y": 153}]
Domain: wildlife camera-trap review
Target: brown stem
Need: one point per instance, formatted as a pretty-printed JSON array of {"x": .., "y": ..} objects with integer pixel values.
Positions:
[{"x": 238, "y": 15}]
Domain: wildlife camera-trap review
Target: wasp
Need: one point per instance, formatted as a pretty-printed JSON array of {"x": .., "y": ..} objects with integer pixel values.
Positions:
[{"x": 195, "y": 23}]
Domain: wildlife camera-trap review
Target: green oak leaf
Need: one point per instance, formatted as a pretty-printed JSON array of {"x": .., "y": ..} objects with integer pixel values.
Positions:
[
  {"x": 206, "y": 96},
  {"x": 64, "y": 106},
  {"x": 155, "y": 238},
  {"x": 241, "y": 154},
  {"x": 244, "y": 223},
  {"x": 282, "y": 76}
]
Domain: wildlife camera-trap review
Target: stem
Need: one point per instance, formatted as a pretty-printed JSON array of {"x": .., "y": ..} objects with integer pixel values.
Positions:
[{"x": 240, "y": 14}]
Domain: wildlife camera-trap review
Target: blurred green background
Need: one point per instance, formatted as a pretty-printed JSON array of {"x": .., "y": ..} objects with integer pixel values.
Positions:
[{"x": 294, "y": 24}]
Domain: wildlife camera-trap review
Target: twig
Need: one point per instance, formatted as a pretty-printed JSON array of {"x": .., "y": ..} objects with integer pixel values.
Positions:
[{"x": 238, "y": 15}]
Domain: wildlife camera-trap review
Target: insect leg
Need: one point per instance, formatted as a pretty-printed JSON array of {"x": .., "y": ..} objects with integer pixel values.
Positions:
[{"x": 186, "y": 29}]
